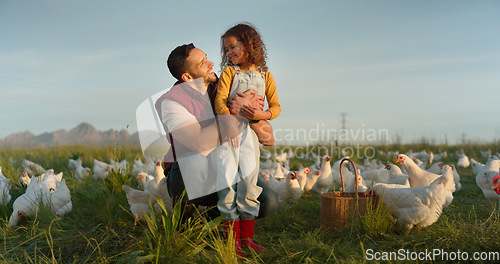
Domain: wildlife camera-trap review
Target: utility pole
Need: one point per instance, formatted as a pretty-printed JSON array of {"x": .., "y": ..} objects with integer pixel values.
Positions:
[
  {"x": 343, "y": 127},
  {"x": 497, "y": 133},
  {"x": 343, "y": 121},
  {"x": 463, "y": 137}
]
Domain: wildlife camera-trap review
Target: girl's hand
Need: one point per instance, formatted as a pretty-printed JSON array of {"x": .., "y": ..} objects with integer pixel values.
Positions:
[
  {"x": 252, "y": 113},
  {"x": 234, "y": 142}
]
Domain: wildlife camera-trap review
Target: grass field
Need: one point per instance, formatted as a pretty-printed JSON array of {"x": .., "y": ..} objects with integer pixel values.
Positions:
[{"x": 100, "y": 228}]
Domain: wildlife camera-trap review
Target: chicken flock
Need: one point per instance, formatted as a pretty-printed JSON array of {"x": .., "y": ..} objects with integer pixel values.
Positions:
[{"x": 416, "y": 192}]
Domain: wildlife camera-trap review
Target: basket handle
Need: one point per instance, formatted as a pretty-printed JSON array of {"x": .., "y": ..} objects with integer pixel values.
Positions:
[{"x": 355, "y": 174}]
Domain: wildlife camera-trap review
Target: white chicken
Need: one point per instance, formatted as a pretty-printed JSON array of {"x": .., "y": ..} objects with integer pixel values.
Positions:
[
  {"x": 302, "y": 177},
  {"x": 279, "y": 173},
  {"x": 288, "y": 191},
  {"x": 73, "y": 164},
  {"x": 280, "y": 157},
  {"x": 463, "y": 161},
  {"x": 396, "y": 176},
  {"x": 325, "y": 181},
  {"x": 485, "y": 177},
  {"x": 419, "y": 163},
  {"x": 269, "y": 167},
  {"x": 424, "y": 156},
  {"x": 142, "y": 178},
  {"x": 32, "y": 168},
  {"x": 456, "y": 178},
  {"x": 49, "y": 181},
  {"x": 311, "y": 180},
  {"x": 485, "y": 154},
  {"x": 373, "y": 176},
  {"x": 346, "y": 173},
  {"x": 450, "y": 185},
  {"x": 495, "y": 186},
  {"x": 476, "y": 166},
  {"x": 26, "y": 205},
  {"x": 370, "y": 164},
  {"x": 120, "y": 167},
  {"x": 416, "y": 175},
  {"x": 81, "y": 172},
  {"x": 418, "y": 206},
  {"x": 440, "y": 155},
  {"x": 149, "y": 165},
  {"x": 5, "y": 186},
  {"x": 139, "y": 200},
  {"x": 42, "y": 176},
  {"x": 101, "y": 170},
  {"x": 138, "y": 166},
  {"x": 439, "y": 168},
  {"x": 351, "y": 186},
  {"x": 59, "y": 201},
  {"x": 101, "y": 164},
  {"x": 436, "y": 168},
  {"x": 24, "y": 179},
  {"x": 152, "y": 185}
]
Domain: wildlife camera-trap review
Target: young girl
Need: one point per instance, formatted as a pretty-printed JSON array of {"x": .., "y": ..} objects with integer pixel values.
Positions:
[{"x": 244, "y": 64}]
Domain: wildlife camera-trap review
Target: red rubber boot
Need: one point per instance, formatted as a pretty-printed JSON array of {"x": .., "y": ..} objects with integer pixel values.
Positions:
[
  {"x": 247, "y": 229},
  {"x": 236, "y": 235}
]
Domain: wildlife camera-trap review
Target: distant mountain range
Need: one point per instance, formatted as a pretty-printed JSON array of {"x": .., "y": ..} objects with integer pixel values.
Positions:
[{"x": 83, "y": 134}]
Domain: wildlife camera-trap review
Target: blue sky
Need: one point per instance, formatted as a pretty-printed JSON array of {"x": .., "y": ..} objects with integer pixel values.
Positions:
[{"x": 413, "y": 68}]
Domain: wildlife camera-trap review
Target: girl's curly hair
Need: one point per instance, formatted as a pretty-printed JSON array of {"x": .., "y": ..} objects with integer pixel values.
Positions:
[{"x": 254, "y": 46}]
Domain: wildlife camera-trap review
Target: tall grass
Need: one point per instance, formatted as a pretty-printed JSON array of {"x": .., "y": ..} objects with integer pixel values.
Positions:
[
  {"x": 171, "y": 240},
  {"x": 115, "y": 179},
  {"x": 375, "y": 221}
]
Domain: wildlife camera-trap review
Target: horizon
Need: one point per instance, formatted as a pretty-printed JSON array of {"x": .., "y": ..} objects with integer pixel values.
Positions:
[
  {"x": 346, "y": 138},
  {"x": 418, "y": 70}
]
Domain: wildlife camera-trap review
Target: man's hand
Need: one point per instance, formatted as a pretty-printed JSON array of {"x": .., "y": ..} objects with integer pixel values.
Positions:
[
  {"x": 248, "y": 98},
  {"x": 251, "y": 113}
]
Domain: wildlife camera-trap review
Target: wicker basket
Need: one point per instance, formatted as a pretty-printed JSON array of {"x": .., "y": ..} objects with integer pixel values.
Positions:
[{"x": 338, "y": 207}]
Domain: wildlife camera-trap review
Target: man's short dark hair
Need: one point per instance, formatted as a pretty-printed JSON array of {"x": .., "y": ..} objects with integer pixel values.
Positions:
[{"x": 176, "y": 61}]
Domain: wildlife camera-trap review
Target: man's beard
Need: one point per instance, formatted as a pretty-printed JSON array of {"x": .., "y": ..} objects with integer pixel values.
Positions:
[{"x": 212, "y": 79}]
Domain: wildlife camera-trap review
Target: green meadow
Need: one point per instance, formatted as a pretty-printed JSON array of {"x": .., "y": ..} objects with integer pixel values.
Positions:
[{"x": 101, "y": 229}]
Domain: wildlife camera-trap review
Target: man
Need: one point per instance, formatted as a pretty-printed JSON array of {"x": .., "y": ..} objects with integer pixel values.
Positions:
[{"x": 187, "y": 115}]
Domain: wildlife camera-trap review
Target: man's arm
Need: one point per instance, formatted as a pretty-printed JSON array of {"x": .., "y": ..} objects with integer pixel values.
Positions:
[
  {"x": 191, "y": 135},
  {"x": 204, "y": 140},
  {"x": 186, "y": 130}
]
